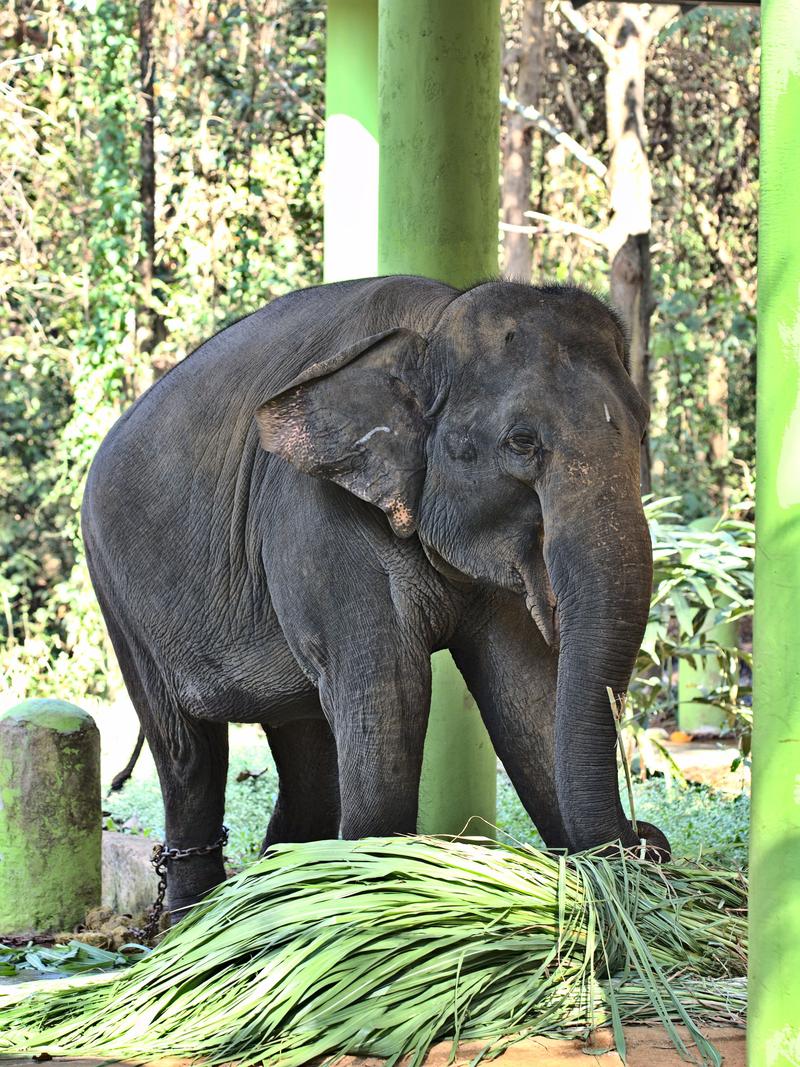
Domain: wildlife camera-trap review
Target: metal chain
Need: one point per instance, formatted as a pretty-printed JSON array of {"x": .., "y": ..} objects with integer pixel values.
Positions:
[{"x": 162, "y": 854}]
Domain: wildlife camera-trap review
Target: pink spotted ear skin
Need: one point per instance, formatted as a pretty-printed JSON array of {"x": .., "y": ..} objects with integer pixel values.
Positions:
[
  {"x": 285, "y": 435},
  {"x": 358, "y": 419},
  {"x": 400, "y": 516}
]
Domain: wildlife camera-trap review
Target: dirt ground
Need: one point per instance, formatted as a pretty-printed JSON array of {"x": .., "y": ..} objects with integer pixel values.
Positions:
[{"x": 648, "y": 1046}]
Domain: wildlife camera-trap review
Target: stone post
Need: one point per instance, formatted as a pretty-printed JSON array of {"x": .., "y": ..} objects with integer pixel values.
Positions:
[{"x": 50, "y": 821}]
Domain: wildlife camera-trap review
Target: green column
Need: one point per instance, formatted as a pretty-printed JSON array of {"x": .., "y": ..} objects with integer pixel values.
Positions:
[
  {"x": 700, "y": 680},
  {"x": 49, "y": 817},
  {"x": 695, "y": 682},
  {"x": 439, "y": 134},
  {"x": 774, "y": 987},
  {"x": 439, "y": 71},
  {"x": 351, "y": 140},
  {"x": 459, "y": 772}
]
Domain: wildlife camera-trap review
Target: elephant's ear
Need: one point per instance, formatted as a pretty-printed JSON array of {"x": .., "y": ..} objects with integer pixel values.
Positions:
[{"x": 358, "y": 419}]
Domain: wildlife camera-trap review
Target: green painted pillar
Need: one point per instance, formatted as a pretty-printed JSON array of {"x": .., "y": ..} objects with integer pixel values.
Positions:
[
  {"x": 459, "y": 772},
  {"x": 774, "y": 987},
  {"x": 351, "y": 140},
  {"x": 50, "y": 854},
  {"x": 695, "y": 682},
  {"x": 439, "y": 71},
  {"x": 439, "y": 134},
  {"x": 700, "y": 680}
]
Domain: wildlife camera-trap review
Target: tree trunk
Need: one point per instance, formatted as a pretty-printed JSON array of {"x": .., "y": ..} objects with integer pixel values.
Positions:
[
  {"x": 150, "y": 326},
  {"x": 516, "y": 198},
  {"x": 631, "y": 294},
  {"x": 630, "y": 193}
]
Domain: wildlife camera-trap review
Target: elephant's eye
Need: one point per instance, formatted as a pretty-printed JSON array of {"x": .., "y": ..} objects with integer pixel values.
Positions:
[{"x": 523, "y": 443}]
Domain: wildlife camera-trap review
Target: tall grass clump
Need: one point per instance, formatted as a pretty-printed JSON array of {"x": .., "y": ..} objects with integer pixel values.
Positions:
[{"x": 386, "y": 945}]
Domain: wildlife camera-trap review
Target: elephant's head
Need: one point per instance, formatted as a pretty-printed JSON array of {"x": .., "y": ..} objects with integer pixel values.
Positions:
[{"x": 508, "y": 440}]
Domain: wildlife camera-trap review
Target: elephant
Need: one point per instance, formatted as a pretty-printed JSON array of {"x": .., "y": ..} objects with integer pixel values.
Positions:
[{"x": 284, "y": 527}]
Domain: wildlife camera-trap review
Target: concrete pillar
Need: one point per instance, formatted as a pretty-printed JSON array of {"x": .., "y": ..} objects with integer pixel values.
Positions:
[
  {"x": 439, "y": 71},
  {"x": 698, "y": 681},
  {"x": 695, "y": 716},
  {"x": 773, "y": 1030},
  {"x": 50, "y": 823},
  {"x": 351, "y": 140},
  {"x": 459, "y": 771}
]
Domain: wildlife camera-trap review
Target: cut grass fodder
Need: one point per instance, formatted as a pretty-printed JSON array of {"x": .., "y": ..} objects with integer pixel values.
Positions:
[{"x": 386, "y": 945}]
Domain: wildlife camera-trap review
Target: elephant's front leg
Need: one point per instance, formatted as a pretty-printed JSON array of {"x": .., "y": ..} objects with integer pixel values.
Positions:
[
  {"x": 377, "y": 697},
  {"x": 512, "y": 674}
]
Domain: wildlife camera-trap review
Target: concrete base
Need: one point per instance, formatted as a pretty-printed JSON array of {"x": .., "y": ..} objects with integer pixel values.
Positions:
[{"x": 129, "y": 881}]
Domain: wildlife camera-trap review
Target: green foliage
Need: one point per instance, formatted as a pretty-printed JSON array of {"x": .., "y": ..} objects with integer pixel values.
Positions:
[
  {"x": 701, "y": 112},
  {"x": 706, "y": 206},
  {"x": 61, "y": 649},
  {"x": 238, "y": 155},
  {"x": 703, "y": 578},
  {"x": 701, "y": 823},
  {"x": 248, "y": 805},
  {"x": 704, "y": 575},
  {"x": 704, "y": 385},
  {"x": 75, "y": 957}
]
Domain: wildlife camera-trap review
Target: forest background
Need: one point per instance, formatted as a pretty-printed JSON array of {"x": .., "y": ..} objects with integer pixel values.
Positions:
[{"x": 160, "y": 175}]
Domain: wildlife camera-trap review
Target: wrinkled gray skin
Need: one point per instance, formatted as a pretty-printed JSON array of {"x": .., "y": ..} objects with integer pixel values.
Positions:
[{"x": 286, "y": 526}]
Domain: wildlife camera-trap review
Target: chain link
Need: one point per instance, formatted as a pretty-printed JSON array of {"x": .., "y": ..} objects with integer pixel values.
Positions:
[{"x": 160, "y": 858}]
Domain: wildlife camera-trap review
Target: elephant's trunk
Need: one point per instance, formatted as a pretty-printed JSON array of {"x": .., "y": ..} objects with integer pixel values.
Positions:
[{"x": 600, "y": 567}]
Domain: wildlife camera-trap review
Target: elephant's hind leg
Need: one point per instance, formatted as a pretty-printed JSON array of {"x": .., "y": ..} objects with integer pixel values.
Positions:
[
  {"x": 191, "y": 757},
  {"x": 307, "y": 808}
]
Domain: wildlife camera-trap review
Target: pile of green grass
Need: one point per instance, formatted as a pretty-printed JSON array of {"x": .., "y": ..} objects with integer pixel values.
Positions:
[{"x": 386, "y": 945}]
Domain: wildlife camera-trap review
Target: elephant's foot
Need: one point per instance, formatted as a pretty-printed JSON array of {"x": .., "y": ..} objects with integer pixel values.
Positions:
[{"x": 656, "y": 846}]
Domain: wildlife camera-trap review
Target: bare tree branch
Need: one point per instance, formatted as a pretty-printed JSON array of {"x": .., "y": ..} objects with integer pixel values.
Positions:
[
  {"x": 548, "y": 222},
  {"x": 547, "y": 126},
  {"x": 660, "y": 18},
  {"x": 579, "y": 23}
]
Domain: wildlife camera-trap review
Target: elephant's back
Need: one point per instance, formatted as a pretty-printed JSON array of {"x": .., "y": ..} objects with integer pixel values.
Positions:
[
  {"x": 167, "y": 455},
  {"x": 182, "y": 443}
]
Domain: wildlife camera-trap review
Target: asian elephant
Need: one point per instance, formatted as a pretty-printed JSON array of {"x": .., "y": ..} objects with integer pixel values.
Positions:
[{"x": 285, "y": 526}]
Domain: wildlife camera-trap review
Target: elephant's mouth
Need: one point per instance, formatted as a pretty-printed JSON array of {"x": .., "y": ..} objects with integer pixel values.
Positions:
[
  {"x": 541, "y": 603},
  {"x": 534, "y": 584},
  {"x": 440, "y": 564}
]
